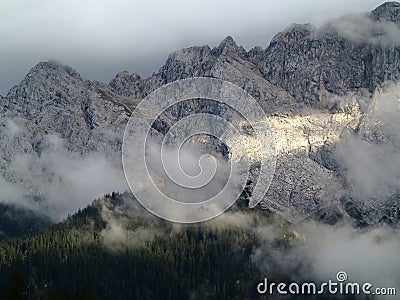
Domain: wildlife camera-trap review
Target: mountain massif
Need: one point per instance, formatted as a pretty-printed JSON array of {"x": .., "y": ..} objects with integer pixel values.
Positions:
[{"x": 315, "y": 83}]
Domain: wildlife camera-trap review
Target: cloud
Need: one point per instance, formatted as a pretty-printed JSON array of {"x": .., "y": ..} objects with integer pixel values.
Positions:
[
  {"x": 128, "y": 224},
  {"x": 64, "y": 181},
  {"x": 116, "y": 236},
  {"x": 371, "y": 159},
  {"x": 232, "y": 219},
  {"x": 362, "y": 28},
  {"x": 367, "y": 256},
  {"x": 11, "y": 193},
  {"x": 371, "y": 170},
  {"x": 321, "y": 251},
  {"x": 12, "y": 128},
  {"x": 101, "y": 38}
]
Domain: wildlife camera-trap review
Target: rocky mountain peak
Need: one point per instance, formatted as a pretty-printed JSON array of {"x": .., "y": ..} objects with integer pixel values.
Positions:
[
  {"x": 227, "y": 47},
  {"x": 123, "y": 82},
  {"x": 53, "y": 67},
  {"x": 187, "y": 62},
  {"x": 44, "y": 78},
  {"x": 388, "y": 11},
  {"x": 293, "y": 32}
]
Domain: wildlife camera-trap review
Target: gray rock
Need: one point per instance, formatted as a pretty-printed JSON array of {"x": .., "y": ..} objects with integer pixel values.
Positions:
[
  {"x": 388, "y": 11},
  {"x": 53, "y": 108}
]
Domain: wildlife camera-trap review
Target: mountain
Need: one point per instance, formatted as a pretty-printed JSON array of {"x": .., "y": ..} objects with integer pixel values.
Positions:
[
  {"x": 54, "y": 126},
  {"x": 314, "y": 83},
  {"x": 53, "y": 98}
]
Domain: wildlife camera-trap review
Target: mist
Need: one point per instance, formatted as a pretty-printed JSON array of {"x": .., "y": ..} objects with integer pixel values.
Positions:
[
  {"x": 117, "y": 235},
  {"x": 57, "y": 182},
  {"x": 321, "y": 251},
  {"x": 371, "y": 159},
  {"x": 362, "y": 28}
]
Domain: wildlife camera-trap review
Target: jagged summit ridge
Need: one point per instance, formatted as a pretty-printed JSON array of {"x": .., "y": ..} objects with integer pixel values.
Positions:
[
  {"x": 34, "y": 84},
  {"x": 52, "y": 70},
  {"x": 228, "y": 47},
  {"x": 307, "y": 62}
]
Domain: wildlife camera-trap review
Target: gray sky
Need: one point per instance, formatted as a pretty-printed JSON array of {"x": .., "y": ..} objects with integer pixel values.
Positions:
[{"x": 100, "y": 38}]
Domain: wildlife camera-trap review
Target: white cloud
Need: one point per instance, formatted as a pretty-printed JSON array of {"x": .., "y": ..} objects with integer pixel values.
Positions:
[
  {"x": 361, "y": 28},
  {"x": 66, "y": 181},
  {"x": 372, "y": 159},
  {"x": 322, "y": 251}
]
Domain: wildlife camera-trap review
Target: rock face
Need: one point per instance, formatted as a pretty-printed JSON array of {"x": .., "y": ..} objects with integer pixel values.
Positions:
[
  {"x": 308, "y": 61},
  {"x": 50, "y": 124},
  {"x": 314, "y": 84},
  {"x": 54, "y": 99},
  {"x": 389, "y": 11}
]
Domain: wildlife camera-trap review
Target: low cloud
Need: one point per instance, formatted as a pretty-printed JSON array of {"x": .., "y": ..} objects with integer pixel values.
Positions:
[
  {"x": 12, "y": 194},
  {"x": 320, "y": 251},
  {"x": 128, "y": 224},
  {"x": 362, "y": 28},
  {"x": 116, "y": 236},
  {"x": 372, "y": 171},
  {"x": 57, "y": 182},
  {"x": 371, "y": 159}
]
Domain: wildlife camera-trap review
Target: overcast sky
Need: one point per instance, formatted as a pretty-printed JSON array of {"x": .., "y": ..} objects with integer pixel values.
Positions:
[{"x": 100, "y": 38}]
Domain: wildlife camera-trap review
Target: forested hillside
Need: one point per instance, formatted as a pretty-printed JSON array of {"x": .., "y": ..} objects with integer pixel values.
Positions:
[{"x": 73, "y": 260}]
